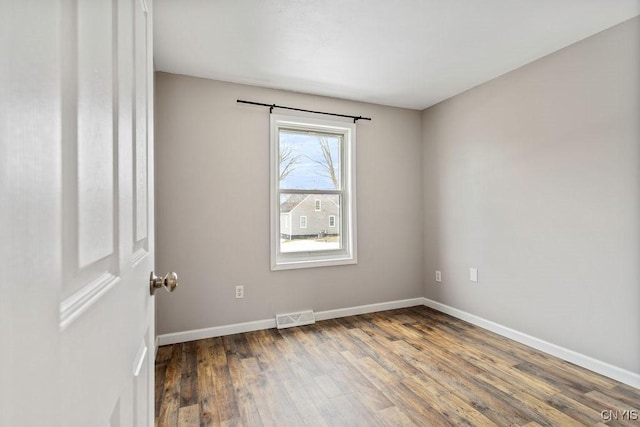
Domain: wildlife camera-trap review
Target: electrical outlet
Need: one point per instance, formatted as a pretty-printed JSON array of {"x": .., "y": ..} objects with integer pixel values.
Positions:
[
  {"x": 438, "y": 276},
  {"x": 473, "y": 274},
  {"x": 240, "y": 291}
]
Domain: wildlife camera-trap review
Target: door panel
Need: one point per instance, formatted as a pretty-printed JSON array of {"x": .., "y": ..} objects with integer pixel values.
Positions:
[
  {"x": 96, "y": 140},
  {"x": 141, "y": 150}
]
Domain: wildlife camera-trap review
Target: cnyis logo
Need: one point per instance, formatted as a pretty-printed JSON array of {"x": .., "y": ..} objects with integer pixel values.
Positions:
[{"x": 619, "y": 414}]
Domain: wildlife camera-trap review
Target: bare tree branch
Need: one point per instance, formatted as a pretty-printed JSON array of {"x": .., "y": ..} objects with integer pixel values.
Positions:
[
  {"x": 287, "y": 161},
  {"x": 328, "y": 167}
]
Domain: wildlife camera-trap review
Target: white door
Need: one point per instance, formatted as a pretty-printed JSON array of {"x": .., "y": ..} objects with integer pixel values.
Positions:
[{"x": 76, "y": 213}]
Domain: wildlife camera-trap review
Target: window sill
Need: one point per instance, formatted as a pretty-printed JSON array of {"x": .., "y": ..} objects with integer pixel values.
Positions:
[{"x": 291, "y": 264}]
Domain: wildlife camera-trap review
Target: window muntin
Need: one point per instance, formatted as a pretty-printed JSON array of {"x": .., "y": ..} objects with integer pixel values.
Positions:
[{"x": 312, "y": 176}]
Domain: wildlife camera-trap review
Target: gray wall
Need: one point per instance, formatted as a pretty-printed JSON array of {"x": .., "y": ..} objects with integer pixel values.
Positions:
[
  {"x": 212, "y": 207},
  {"x": 534, "y": 178}
]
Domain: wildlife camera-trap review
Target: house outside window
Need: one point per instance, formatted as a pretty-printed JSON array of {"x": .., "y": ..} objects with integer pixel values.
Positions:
[{"x": 312, "y": 193}]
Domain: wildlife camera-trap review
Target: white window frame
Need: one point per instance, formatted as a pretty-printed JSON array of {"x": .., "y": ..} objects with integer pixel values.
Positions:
[
  {"x": 318, "y": 205},
  {"x": 332, "y": 217},
  {"x": 347, "y": 254},
  {"x": 305, "y": 221}
]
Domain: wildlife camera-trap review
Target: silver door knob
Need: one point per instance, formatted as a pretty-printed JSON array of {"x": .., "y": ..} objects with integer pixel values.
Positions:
[{"x": 169, "y": 282}]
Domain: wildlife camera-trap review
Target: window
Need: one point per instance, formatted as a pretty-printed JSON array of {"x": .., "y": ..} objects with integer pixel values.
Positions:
[{"x": 313, "y": 179}]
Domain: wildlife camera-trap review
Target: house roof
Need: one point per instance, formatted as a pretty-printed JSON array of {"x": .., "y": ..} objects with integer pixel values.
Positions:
[{"x": 293, "y": 201}]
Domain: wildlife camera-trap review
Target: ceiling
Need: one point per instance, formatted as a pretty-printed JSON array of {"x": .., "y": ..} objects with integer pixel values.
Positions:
[{"x": 404, "y": 53}]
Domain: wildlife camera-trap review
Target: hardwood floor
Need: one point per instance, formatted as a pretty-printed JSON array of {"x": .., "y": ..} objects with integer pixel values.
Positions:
[{"x": 413, "y": 366}]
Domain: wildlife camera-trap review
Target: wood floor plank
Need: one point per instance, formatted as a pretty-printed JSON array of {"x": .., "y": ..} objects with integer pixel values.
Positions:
[
  {"x": 499, "y": 407},
  {"x": 307, "y": 399},
  {"x": 549, "y": 375},
  {"x": 247, "y": 406},
  {"x": 523, "y": 380},
  {"x": 625, "y": 394},
  {"x": 458, "y": 411},
  {"x": 371, "y": 370},
  {"x": 377, "y": 348},
  {"x": 392, "y": 416},
  {"x": 356, "y": 381},
  {"x": 160, "y": 374},
  {"x": 470, "y": 348},
  {"x": 553, "y": 416},
  {"x": 225, "y": 397},
  {"x": 576, "y": 410},
  {"x": 275, "y": 405},
  {"x": 418, "y": 410},
  {"x": 609, "y": 402},
  {"x": 206, "y": 385},
  {"x": 168, "y": 414},
  {"x": 413, "y": 366},
  {"x": 309, "y": 405},
  {"x": 351, "y": 411},
  {"x": 189, "y": 416},
  {"x": 164, "y": 354},
  {"x": 189, "y": 381}
]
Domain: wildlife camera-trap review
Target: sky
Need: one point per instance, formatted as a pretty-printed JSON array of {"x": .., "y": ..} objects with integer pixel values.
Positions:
[{"x": 307, "y": 174}]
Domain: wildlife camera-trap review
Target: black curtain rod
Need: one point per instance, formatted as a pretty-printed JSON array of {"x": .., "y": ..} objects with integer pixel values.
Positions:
[{"x": 272, "y": 106}]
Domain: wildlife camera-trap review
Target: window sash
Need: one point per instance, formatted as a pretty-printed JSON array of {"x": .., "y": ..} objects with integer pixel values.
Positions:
[
  {"x": 312, "y": 231},
  {"x": 315, "y": 133}
]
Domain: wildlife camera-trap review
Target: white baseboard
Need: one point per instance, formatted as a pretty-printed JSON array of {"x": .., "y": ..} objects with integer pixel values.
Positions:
[
  {"x": 579, "y": 359},
  {"x": 369, "y": 308},
  {"x": 218, "y": 331}
]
